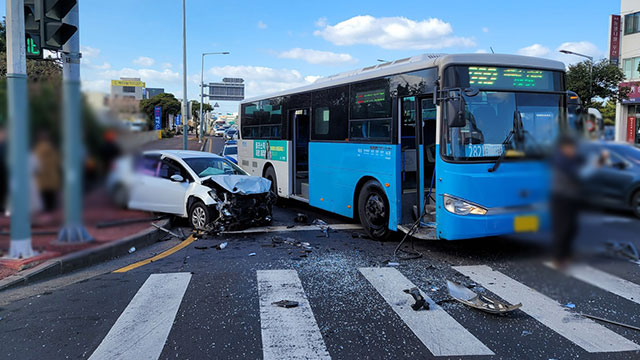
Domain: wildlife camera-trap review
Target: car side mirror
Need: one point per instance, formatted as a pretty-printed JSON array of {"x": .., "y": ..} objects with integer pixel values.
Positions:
[
  {"x": 177, "y": 178},
  {"x": 455, "y": 112}
]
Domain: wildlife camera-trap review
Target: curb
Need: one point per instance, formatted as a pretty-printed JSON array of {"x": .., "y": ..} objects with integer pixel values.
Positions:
[{"x": 84, "y": 258}]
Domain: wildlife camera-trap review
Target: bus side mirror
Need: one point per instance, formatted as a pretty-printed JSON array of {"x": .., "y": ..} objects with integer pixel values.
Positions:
[{"x": 455, "y": 112}]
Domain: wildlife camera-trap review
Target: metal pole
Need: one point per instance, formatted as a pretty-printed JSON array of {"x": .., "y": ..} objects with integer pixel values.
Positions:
[
  {"x": 73, "y": 148},
  {"x": 201, "y": 98},
  {"x": 185, "y": 104},
  {"x": 590, "y": 79},
  {"x": 18, "y": 139}
]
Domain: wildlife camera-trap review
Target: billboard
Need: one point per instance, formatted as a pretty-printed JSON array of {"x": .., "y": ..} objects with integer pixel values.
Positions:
[
  {"x": 614, "y": 39},
  {"x": 230, "y": 89},
  {"x": 270, "y": 149},
  {"x": 157, "y": 117},
  {"x": 134, "y": 83},
  {"x": 633, "y": 97}
]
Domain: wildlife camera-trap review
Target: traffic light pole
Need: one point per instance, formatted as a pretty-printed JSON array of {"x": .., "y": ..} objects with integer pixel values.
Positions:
[
  {"x": 185, "y": 101},
  {"x": 73, "y": 230},
  {"x": 18, "y": 138}
]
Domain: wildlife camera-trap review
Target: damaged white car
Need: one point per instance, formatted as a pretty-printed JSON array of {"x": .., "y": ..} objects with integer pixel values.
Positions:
[{"x": 209, "y": 190}]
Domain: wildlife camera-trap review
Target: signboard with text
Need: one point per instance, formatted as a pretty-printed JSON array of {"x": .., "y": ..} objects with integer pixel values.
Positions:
[
  {"x": 134, "y": 83},
  {"x": 614, "y": 39},
  {"x": 178, "y": 118},
  {"x": 633, "y": 97},
  {"x": 270, "y": 149},
  {"x": 631, "y": 129},
  {"x": 157, "y": 117}
]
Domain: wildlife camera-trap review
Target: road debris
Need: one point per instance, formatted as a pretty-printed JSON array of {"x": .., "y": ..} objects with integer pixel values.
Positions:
[
  {"x": 132, "y": 250},
  {"x": 420, "y": 301},
  {"x": 526, "y": 333},
  {"x": 393, "y": 263},
  {"x": 570, "y": 305},
  {"x": 221, "y": 246},
  {"x": 323, "y": 226},
  {"x": 611, "y": 322},
  {"x": 480, "y": 302},
  {"x": 106, "y": 224},
  {"x": 167, "y": 231},
  {"x": 286, "y": 303},
  {"x": 625, "y": 250},
  {"x": 301, "y": 218},
  {"x": 202, "y": 247},
  {"x": 252, "y": 254}
]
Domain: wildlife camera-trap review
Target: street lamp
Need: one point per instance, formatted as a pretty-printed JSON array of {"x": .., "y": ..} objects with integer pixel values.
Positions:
[
  {"x": 590, "y": 69},
  {"x": 202, "y": 88}
]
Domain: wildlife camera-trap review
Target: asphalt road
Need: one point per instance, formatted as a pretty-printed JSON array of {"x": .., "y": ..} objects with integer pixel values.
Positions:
[{"x": 203, "y": 303}]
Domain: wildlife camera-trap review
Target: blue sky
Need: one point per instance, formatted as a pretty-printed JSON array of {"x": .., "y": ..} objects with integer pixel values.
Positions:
[{"x": 281, "y": 44}]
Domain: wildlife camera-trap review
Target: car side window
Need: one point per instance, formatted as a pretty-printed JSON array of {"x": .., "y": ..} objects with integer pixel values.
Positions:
[
  {"x": 170, "y": 167},
  {"x": 147, "y": 164}
]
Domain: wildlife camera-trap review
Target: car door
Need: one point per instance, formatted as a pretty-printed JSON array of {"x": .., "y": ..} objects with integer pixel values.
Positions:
[
  {"x": 145, "y": 169},
  {"x": 171, "y": 193},
  {"x": 614, "y": 177}
]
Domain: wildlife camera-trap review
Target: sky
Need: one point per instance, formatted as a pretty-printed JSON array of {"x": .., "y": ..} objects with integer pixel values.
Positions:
[{"x": 275, "y": 45}]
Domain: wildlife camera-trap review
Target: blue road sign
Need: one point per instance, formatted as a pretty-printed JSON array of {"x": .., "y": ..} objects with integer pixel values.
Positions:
[{"x": 178, "y": 118}]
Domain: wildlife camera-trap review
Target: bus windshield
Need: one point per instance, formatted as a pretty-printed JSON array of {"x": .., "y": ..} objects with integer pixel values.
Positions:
[{"x": 490, "y": 119}]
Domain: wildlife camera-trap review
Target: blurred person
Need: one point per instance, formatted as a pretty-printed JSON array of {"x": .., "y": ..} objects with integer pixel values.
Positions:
[
  {"x": 48, "y": 171},
  {"x": 3, "y": 170},
  {"x": 110, "y": 149},
  {"x": 35, "y": 198},
  {"x": 567, "y": 164}
]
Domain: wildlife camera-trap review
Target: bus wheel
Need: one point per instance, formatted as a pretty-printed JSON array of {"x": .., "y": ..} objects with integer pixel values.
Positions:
[
  {"x": 373, "y": 209},
  {"x": 270, "y": 174}
]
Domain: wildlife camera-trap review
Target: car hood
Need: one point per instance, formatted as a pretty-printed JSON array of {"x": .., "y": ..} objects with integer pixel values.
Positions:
[{"x": 240, "y": 184}]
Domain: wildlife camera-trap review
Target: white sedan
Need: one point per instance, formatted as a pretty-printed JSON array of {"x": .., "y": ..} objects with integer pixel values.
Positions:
[{"x": 209, "y": 190}]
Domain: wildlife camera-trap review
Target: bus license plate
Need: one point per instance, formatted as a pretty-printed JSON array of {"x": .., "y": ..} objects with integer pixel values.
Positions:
[{"x": 528, "y": 223}]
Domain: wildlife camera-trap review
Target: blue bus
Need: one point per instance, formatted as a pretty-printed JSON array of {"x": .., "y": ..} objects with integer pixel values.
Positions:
[{"x": 440, "y": 146}]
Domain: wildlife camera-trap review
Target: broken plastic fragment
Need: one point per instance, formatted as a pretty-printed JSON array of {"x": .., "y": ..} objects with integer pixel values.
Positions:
[
  {"x": 252, "y": 254},
  {"x": 132, "y": 250},
  {"x": 420, "y": 302},
  {"x": 222, "y": 246},
  {"x": 286, "y": 303},
  {"x": 623, "y": 249},
  {"x": 570, "y": 305},
  {"x": 480, "y": 302},
  {"x": 392, "y": 263}
]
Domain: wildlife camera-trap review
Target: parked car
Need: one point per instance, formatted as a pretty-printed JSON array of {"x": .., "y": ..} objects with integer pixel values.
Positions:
[
  {"x": 219, "y": 132},
  {"x": 230, "y": 152},
  {"x": 231, "y": 134},
  {"x": 614, "y": 179},
  {"x": 209, "y": 190}
]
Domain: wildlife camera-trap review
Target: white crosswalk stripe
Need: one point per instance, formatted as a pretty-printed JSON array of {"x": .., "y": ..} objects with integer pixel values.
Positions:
[
  {"x": 437, "y": 330},
  {"x": 583, "y": 332},
  {"x": 603, "y": 280},
  {"x": 142, "y": 329},
  {"x": 287, "y": 333}
]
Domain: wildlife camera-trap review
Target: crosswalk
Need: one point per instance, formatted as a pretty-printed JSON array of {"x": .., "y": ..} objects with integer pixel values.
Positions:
[{"x": 142, "y": 329}]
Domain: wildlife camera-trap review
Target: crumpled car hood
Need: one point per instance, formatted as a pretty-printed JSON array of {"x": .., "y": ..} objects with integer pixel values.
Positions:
[{"x": 240, "y": 184}]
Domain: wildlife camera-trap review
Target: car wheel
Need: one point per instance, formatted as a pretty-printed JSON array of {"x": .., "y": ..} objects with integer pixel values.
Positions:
[
  {"x": 120, "y": 196},
  {"x": 373, "y": 210},
  {"x": 199, "y": 216},
  {"x": 270, "y": 174},
  {"x": 635, "y": 203}
]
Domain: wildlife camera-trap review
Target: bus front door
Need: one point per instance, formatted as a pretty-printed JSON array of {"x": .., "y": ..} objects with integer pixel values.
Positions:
[{"x": 300, "y": 173}]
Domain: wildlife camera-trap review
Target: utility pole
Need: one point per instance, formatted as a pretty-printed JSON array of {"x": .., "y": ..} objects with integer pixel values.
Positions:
[
  {"x": 202, "y": 88},
  {"x": 73, "y": 230},
  {"x": 18, "y": 138},
  {"x": 185, "y": 101}
]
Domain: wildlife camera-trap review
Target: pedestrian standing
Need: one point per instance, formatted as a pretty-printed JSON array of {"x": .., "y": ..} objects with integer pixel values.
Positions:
[{"x": 48, "y": 171}]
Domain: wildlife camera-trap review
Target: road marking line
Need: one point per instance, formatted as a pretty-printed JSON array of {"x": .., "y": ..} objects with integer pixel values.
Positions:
[
  {"x": 437, "y": 330},
  {"x": 287, "y": 333},
  {"x": 162, "y": 255},
  {"x": 583, "y": 332},
  {"x": 603, "y": 280},
  {"x": 266, "y": 229},
  {"x": 210, "y": 145},
  {"x": 143, "y": 327}
]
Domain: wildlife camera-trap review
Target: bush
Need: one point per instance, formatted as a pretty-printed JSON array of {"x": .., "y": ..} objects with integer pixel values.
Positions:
[{"x": 166, "y": 133}]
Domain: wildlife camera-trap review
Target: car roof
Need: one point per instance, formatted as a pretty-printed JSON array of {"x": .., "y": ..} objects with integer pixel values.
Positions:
[{"x": 184, "y": 154}]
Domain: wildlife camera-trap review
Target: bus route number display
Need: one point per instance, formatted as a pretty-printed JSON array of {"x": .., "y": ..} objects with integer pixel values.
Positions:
[
  {"x": 510, "y": 78},
  {"x": 371, "y": 96}
]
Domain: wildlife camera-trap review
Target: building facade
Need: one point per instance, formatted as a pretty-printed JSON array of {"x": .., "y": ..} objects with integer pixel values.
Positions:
[
  {"x": 628, "y": 36},
  {"x": 127, "y": 88},
  {"x": 148, "y": 93}
]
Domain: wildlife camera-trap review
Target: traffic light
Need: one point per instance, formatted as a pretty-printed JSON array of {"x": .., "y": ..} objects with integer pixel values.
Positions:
[{"x": 44, "y": 25}]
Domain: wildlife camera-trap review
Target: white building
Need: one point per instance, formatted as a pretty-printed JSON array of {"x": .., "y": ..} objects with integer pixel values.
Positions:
[{"x": 628, "y": 112}]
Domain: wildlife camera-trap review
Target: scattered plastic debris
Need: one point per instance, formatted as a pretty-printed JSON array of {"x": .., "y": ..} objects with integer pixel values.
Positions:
[
  {"x": 301, "y": 218},
  {"x": 420, "y": 301},
  {"x": 252, "y": 254},
  {"x": 286, "y": 303},
  {"x": 526, "y": 333},
  {"x": 167, "y": 231},
  {"x": 623, "y": 249},
  {"x": 221, "y": 246},
  {"x": 570, "y": 305},
  {"x": 393, "y": 263},
  {"x": 132, "y": 250},
  {"x": 480, "y": 302},
  {"x": 611, "y": 322},
  {"x": 202, "y": 247}
]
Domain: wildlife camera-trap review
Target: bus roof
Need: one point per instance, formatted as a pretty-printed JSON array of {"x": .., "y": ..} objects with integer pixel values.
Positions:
[{"x": 419, "y": 62}]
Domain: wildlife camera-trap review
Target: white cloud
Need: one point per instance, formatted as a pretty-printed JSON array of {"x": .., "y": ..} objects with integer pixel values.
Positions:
[
  {"x": 321, "y": 22},
  {"x": 481, "y": 51},
  {"x": 485, "y": 29},
  {"x": 167, "y": 65},
  {"x": 393, "y": 33},
  {"x": 535, "y": 50},
  {"x": 144, "y": 61},
  {"x": 263, "y": 80},
  {"x": 262, "y": 25},
  {"x": 581, "y": 47},
  {"x": 317, "y": 57},
  {"x": 146, "y": 75},
  {"x": 105, "y": 66},
  {"x": 89, "y": 52}
]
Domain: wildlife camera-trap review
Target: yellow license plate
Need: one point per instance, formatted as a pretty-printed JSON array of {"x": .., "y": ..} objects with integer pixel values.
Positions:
[{"x": 527, "y": 223}]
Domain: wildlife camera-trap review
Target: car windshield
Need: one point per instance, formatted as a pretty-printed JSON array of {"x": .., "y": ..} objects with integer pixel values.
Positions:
[
  {"x": 490, "y": 119},
  {"x": 213, "y": 166},
  {"x": 231, "y": 150}
]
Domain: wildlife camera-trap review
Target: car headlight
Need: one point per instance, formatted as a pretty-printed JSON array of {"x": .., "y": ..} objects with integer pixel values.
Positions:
[{"x": 461, "y": 207}]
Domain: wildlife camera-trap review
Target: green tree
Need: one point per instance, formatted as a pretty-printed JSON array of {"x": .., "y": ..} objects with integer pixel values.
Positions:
[
  {"x": 195, "y": 109},
  {"x": 608, "y": 111},
  {"x": 168, "y": 102},
  {"x": 606, "y": 78}
]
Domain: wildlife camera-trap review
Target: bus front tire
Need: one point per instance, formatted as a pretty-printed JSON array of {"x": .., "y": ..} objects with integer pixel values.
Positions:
[
  {"x": 373, "y": 210},
  {"x": 270, "y": 174}
]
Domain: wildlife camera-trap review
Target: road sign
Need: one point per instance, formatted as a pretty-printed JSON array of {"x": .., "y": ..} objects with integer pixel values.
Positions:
[
  {"x": 178, "y": 118},
  {"x": 157, "y": 112},
  {"x": 216, "y": 105},
  {"x": 227, "y": 90}
]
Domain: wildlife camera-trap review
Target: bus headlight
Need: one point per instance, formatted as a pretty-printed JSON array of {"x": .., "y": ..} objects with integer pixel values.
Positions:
[{"x": 461, "y": 207}]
